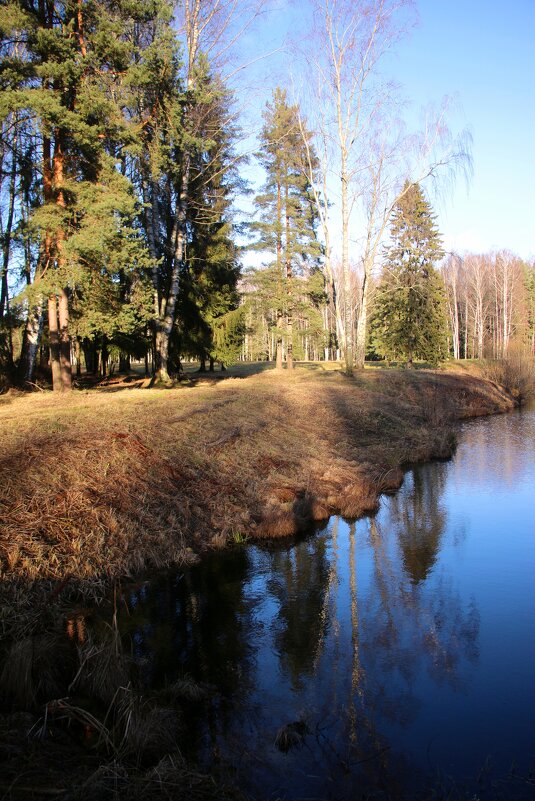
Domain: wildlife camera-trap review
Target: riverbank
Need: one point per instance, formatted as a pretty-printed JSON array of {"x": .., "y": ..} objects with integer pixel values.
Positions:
[
  {"x": 113, "y": 482},
  {"x": 103, "y": 484}
]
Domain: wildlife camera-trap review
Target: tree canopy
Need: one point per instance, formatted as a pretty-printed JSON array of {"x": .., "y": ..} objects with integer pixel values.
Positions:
[
  {"x": 121, "y": 181},
  {"x": 410, "y": 313},
  {"x": 286, "y": 228}
]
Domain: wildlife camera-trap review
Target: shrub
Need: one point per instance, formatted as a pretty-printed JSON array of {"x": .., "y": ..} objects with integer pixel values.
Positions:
[{"x": 515, "y": 372}]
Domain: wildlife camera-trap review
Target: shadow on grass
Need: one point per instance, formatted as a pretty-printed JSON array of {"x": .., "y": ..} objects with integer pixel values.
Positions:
[{"x": 286, "y": 456}]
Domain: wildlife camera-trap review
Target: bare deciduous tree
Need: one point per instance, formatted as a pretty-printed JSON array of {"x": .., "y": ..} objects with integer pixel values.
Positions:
[
  {"x": 350, "y": 37},
  {"x": 367, "y": 156}
]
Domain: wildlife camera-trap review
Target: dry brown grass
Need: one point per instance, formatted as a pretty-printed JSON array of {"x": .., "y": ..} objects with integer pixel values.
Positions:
[
  {"x": 99, "y": 485},
  {"x": 172, "y": 779},
  {"x": 516, "y": 373},
  {"x": 102, "y": 484}
]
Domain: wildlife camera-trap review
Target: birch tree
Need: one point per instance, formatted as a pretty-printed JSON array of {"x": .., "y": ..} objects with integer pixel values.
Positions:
[
  {"x": 349, "y": 40},
  {"x": 369, "y": 155},
  {"x": 451, "y": 276},
  {"x": 529, "y": 306},
  {"x": 508, "y": 290}
]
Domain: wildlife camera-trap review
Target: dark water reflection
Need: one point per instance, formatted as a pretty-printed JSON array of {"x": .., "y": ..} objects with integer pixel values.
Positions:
[{"x": 405, "y": 643}]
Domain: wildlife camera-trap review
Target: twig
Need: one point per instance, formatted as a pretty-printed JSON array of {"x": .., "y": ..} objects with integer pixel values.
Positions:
[
  {"x": 234, "y": 434},
  {"x": 31, "y": 384}
]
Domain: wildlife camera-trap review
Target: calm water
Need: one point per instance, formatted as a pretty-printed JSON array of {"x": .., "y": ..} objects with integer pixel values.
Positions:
[{"x": 400, "y": 647}]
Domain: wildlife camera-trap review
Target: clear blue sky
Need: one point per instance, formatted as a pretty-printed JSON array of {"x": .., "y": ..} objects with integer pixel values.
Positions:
[
  {"x": 480, "y": 54},
  {"x": 483, "y": 54}
]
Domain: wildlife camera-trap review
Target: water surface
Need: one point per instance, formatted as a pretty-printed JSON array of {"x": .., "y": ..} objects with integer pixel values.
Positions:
[{"x": 396, "y": 650}]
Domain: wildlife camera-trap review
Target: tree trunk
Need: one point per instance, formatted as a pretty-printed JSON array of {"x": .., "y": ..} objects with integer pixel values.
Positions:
[
  {"x": 278, "y": 346},
  {"x": 4, "y": 300},
  {"x": 54, "y": 343},
  {"x": 78, "y": 357},
  {"x": 30, "y": 342},
  {"x": 152, "y": 226},
  {"x": 65, "y": 376},
  {"x": 124, "y": 363},
  {"x": 466, "y": 328},
  {"x": 94, "y": 357},
  {"x": 34, "y": 321},
  {"x": 455, "y": 322},
  {"x": 167, "y": 315},
  {"x": 363, "y": 320},
  {"x": 289, "y": 313},
  {"x": 348, "y": 323},
  {"x": 289, "y": 345},
  {"x": 167, "y": 319},
  {"x": 64, "y": 341},
  {"x": 104, "y": 355},
  {"x": 451, "y": 284},
  {"x": 338, "y": 321}
]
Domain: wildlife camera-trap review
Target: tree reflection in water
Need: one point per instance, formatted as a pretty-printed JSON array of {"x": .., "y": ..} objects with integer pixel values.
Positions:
[
  {"x": 420, "y": 520},
  {"x": 348, "y": 630},
  {"x": 299, "y": 579}
]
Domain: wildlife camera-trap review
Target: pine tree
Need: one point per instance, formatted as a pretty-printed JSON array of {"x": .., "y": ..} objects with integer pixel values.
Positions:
[
  {"x": 161, "y": 102},
  {"x": 70, "y": 78},
  {"x": 409, "y": 319},
  {"x": 288, "y": 220}
]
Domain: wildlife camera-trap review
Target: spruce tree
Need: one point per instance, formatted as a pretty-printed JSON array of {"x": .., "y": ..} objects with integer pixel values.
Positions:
[
  {"x": 160, "y": 156},
  {"x": 209, "y": 319},
  {"x": 288, "y": 220},
  {"x": 409, "y": 319}
]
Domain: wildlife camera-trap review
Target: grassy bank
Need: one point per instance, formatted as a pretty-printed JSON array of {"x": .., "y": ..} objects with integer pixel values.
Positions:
[
  {"x": 113, "y": 480},
  {"x": 106, "y": 483}
]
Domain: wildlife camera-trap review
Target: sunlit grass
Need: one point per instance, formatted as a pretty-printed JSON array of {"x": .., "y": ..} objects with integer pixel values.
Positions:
[{"x": 102, "y": 484}]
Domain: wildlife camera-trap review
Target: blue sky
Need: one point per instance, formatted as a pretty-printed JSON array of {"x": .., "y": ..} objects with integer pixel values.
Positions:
[{"x": 482, "y": 56}]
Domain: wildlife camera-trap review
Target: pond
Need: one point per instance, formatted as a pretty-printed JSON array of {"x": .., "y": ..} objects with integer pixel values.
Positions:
[{"x": 373, "y": 658}]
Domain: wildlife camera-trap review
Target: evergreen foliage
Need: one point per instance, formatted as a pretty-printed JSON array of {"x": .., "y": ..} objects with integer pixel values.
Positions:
[
  {"x": 409, "y": 318},
  {"x": 286, "y": 228},
  {"x": 118, "y": 175},
  {"x": 119, "y": 150},
  {"x": 69, "y": 74},
  {"x": 210, "y": 320}
]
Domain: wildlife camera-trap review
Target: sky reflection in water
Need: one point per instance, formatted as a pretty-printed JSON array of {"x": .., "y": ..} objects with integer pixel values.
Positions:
[{"x": 405, "y": 643}]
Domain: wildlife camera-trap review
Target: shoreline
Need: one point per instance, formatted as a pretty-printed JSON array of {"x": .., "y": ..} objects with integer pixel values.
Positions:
[
  {"x": 98, "y": 486},
  {"x": 261, "y": 458}
]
